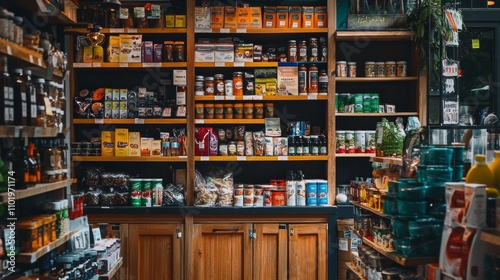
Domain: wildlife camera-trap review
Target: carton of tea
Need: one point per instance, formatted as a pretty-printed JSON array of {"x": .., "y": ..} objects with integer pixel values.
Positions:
[
  {"x": 146, "y": 146},
  {"x": 475, "y": 206},
  {"x": 156, "y": 148},
  {"x": 217, "y": 17},
  {"x": 243, "y": 15},
  {"x": 121, "y": 142},
  {"x": 134, "y": 144},
  {"x": 230, "y": 18},
  {"x": 107, "y": 143},
  {"x": 320, "y": 17},
  {"x": 269, "y": 17},
  {"x": 202, "y": 17},
  {"x": 307, "y": 17},
  {"x": 123, "y": 110},
  {"x": 294, "y": 17},
  {"x": 255, "y": 17},
  {"x": 282, "y": 16},
  {"x": 116, "y": 110}
]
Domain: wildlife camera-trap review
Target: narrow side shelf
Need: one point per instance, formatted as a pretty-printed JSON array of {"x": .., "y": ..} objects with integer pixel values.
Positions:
[
  {"x": 229, "y": 121},
  {"x": 354, "y": 155},
  {"x": 261, "y": 30},
  {"x": 128, "y": 159},
  {"x": 370, "y": 80},
  {"x": 261, "y": 158},
  {"x": 351, "y": 268},
  {"x": 376, "y": 212},
  {"x": 36, "y": 190},
  {"x": 113, "y": 271},
  {"x": 373, "y": 35},
  {"x": 127, "y": 65},
  {"x": 376, "y": 114},
  {"x": 261, "y": 97},
  {"x": 388, "y": 160},
  {"x": 33, "y": 257},
  {"x": 399, "y": 258},
  {"x": 491, "y": 236},
  {"x": 130, "y": 121}
]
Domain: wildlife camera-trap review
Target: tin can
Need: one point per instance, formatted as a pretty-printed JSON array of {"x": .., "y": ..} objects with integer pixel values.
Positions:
[
  {"x": 248, "y": 195},
  {"x": 370, "y": 141},
  {"x": 135, "y": 192},
  {"x": 358, "y": 103},
  {"x": 350, "y": 147},
  {"x": 351, "y": 69},
  {"x": 278, "y": 198},
  {"x": 311, "y": 193},
  {"x": 380, "y": 69},
  {"x": 341, "y": 68},
  {"x": 266, "y": 193},
  {"x": 359, "y": 141},
  {"x": 301, "y": 193},
  {"x": 390, "y": 68},
  {"x": 258, "y": 196},
  {"x": 238, "y": 195},
  {"x": 370, "y": 69},
  {"x": 340, "y": 141},
  {"x": 157, "y": 192},
  {"x": 146, "y": 193},
  {"x": 291, "y": 198},
  {"x": 375, "y": 102},
  {"x": 367, "y": 102},
  {"x": 322, "y": 192},
  {"x": 401, "y": 69}
]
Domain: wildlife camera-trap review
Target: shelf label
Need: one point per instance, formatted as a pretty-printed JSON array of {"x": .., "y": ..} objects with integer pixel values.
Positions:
[
  {"x": 241, "y": 30},
  {"x": 99, "y": 121},
  {"x": 343, "y": 244},
  {"x": 282, "y": 157},
  {"x": 203, "y": 30},
  {"x": 230, "y": 97},
  {"x": 9, "y": 50},
  {"x": 247, "y": 97},
  {"x": 40, "y": 62},
  {"x": 225, "y": 30},
  {"x": 123, "y": 64},
  {"x": 220, "y": 64},
  {"x": 117, "y": 30},
  {"x": 257, "y": 97},
  {"x": 151, "y": 64},
  {"x": 239, "y": 64},
  {"x": 204, "y": 158},
  {"x": 96, "y": 64},
  {"x": 183, "y": 157},
  {"x": 138, "y": 121},
  {"x": 312, "y": 97},
  {"x": 31, "y": 59},
  {"x": 199, "y": 121},
  {"x": 241, "y": 158},
  {"x": 132, "y": 30},
  {"x": 218, "y": 97},
  {"x": 81, "y": 65},
  {"x": 37, "y": 132}
]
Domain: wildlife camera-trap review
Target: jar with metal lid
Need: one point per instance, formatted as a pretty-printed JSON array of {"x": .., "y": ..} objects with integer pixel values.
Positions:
[
  {"x": 179, "y": 51},
  {"x": 238, "y": 83},
  {"x": 291, "y": 145},
  {"x": 209, "y": 111},
  {"x": 199, "y": 85},
  {"x": 231, "y": 148},
  {"x": 292, "y": 51},
  {"x": 370, "y": 69},
  {"x": 228, "y": 87},
  {"x": 209, "y": 86},
  {"x": 228, "y": 111},
  {"x": 323, "y": 53},
  {"x": 380, "y": 69},
  {"x": 199, "y": 110},
  {"x": 238, "y": 110},
  {"x": 259, "y": 110},
  {"x": 302, "y": 51},
  {"x": 390, "y": 69},
  {"x": 401, "y": 69},
  {"x": 168, "y": 51},
  {"x": 219, "y": 87},
  {"x": 351, "y": 69},
  {"x": 323, "y": 82},
  {"x": 341, "y": 68},
  {"x": 248, "y": 109},
  {"x": 313, "y": 79},
  {"x": 219, "y": 111},
  {"x": 313, "y": 49},
  {"x": 269, "y": 110}
]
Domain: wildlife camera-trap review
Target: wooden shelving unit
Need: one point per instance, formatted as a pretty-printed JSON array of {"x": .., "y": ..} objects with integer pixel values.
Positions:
[
  {"x": 397, "y": 35},
  {"x": 129, "y": 30},
  {"x": 10, "y": 131},
  {"x": 229, "y": 121},
  {"x": 33, "y": 257},
  {"x": 113, "y": 271},
  {"x": 261, "y": 97},
  {"x": 128, "y": 159},
  {"x": 371, "y": 80},
  {"x": 129, "y": 121},
  {"x": 354, "y": 155},
  {"x": 491, "y": 236},
  {"x": 353, "y": 270},
  {"x": 388, "y": 160},
  {"x": 263, "y": 31},
  {"x": 36, "y": 190},
  {"x": 374, "y": 211},
  {"x": 381, "y": 115},
  {"x": 235, "y": 64},
  {"x": 261, "y": 158},
  {"x": 128, "y": 65}
]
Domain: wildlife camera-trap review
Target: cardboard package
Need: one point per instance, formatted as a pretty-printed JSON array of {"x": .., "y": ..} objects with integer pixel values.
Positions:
[
  {"x": 130, "y": 47},
  {"x": 269, "y": 16},
  {"x": 108, "y": 143},
  {"x": 320, "y": 17},
  {"x": 294, "y": 16},
  {"x": 217, "y": 17},
  {"x": 121, "y": 142},
  {"x": 230, "y": 17},
  {"x": 307, "y": 17},
  {"x": 243, "y": 17},
  {"x": 134, "y": 144},
  {"x": 255, "y": 17},
  {"x": 282, "y": 17}
]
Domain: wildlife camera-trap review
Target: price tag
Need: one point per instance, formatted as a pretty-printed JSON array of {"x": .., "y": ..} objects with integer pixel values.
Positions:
[
  {"x": 31, "y": 59},
  {"x": 475, "y": 43},
  {"x": 132, "y": 30},
  {"x": 99, "y": 121},
  {"x": 312, "y": 97},
  {"x": 182, "y": 157},
  {"x": 138, "y": 121},
  {"x": 116, "y": 30},
  {"x": 282, "y": 157},
  {"x": 241, "y": 158},
  {"x": 241, "y": 30},
  {"x": 230, "y": 97},
  {"x": 198, "y": 121},
  {"x": 97, "y": 65},
  {"x": 9, "y": 50},
  {"x": 343, "y": 244},
  {"x": 81, "y": 65},
  {"x": 123, "y": 64},
  {"x": 239, "y": 64},
  {"x": 151, "y": 64},
  {"x": 37, "y": 132},
  {"x": 218, "y": 97},
  {"x": 225, "y": 30},
  {"x": 105, "y": 207},
  {"x": 257, "y": 97},
  {"x": 203, "y": 30},
  {"x": 247, "y": 97},
  {"x": 204, "y": 158},
  {"x": 220, "y": 64},
  {"x": 40, "y": 62}
]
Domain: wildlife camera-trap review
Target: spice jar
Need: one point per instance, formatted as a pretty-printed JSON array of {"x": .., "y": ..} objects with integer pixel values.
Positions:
[
  {"x": 313, "y": 79},
  {"x": 179, "y": 51},
  {"x": 292, "y": 51},
  {"x": 199, "y": 109},
  {"x": 269, "y": 110},
  {"x": 228, "y": 87},
  {"x": 313, "y": 49},
  {"x": 199, "y": 85},
  {"x": 380, "y": 69},
  {"x": 140, "y": 20},
  {"x": 341, "y": 68},
  {"x": 228, "y": 110},
  {"x": 302, "y": 51},
  {"x": 238, "y": 110},
  {"x": 238, "y": 83},
  {"x": 126, "y": 19},
  {"x": 390, "y": 69},
  {"x": 302, "y": 79},
  {"x": 351, "y": 69},
  {"x": 401, "y": 69},
  {"x": 369, "y": 69},
  {"x": 248, "y": 110},
  {"x": 323, "y": 82},
  {"x": 219, "y": 111},
  {"x": 209, "y": 86},
  {"x": 168, "y": 51},
  {"x": 209, "y": 111},
  {"x": 219, "y": 87},
  {"x": 259, "y": 110}
]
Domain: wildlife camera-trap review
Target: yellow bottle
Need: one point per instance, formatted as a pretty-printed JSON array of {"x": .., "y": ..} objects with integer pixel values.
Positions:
[
  {"x": 480, "y": 173},
  {"x": 495, "y": 169}
]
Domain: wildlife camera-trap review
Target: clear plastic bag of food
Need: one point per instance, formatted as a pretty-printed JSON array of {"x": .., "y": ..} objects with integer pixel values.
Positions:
[
  {"x": 204, "y": 194},
  {"x": 92, "y": 198},
  {"x": 173, "y": 195},
  {"x": 92, "y": 178},
  {"x": 107, "y": 199},
  {"x": 121, "y": 199},
  {"x": 258, "y": 143}
]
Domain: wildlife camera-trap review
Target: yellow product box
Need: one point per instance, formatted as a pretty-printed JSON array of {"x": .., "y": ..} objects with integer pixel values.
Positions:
[
  {"x": 180, "y": 21},
  {"x": 146, "y": 146},
  {"x": 130, "y": 47},
  {"x": 121, "y": 142},
  {"x": 271, "y": 86},
  {"x": 108, "y": 94},
  {"x": 230, "y": 18},
  {"x": 116, "y": 109},
  {"x": 88, "y": 54},
  {"x": 115, "y": 94},
  {"x": 113, "y": 50},
  {"x": 255, "y": 17},
  {"x": 307, "y": 17},
  {"x": 243, "y": 15},
  {"x": 108, "y": 109},
  {"x": 282, "y": 16},
  {"x": 320, "y": 17},
  {"x": 201, "y": 17},
  {"x": 269, "y": 16},
  {"x": 170, "y": 21},
  {"x": 108, "y": 143},
  {"x": 123, "y": 109},
  {"x": 134, "y": 144},
  {"x": 260, "y": 86},
  {"x": 156, "y": 148},
  {"x": 123, "y": 94},
  {"x": 217, "y": 17},
  {"x": 294, "y": 17}
]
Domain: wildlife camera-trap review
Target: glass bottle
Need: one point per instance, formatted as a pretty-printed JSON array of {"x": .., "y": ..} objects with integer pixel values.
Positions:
[
  {"x": 32, "y": 165},
  {"x": 291, "y": 145},
  {"x": 323, "y": 82},
  {"x": 323, "y": 149},
  {"x": 313, "y": 49},
  {"x": 302, "y": 79},
  {"x": 306, "y": 146},
  {"x": 302, "y": 51},
  {"x": 314, "y": 145},
  {"x": 20, "y": 104},
  {"x": 299, "y": 145},
  {"x": 323, "y": 45},
  {"x": 174, "y": 147},
  {"x": 313, "y": 79},
  {"x": 31, "y": 98},
  {"x": 292, "y": 51},
  {"x": 41, "y": 98},
  {"x": 7, "y": 95}
]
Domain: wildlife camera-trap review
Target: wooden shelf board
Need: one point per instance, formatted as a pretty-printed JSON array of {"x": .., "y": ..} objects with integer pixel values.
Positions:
[
  {"x": 388, "y": 160},
  {"x": 261, "y": 158},
  {"x": 354, "y": 155},
  {"x": 358, "y": 274},
  {"x": 33, "y": 257},
  {"x": 130, "y": 30},
  {"x": 262, "y": 30},
  {"x": 399, "y": 258},
  {"x": 491, "y": 236},
  {"x": 374, "y": 79},
  {"x": 376, "y": 114},
  {"x": 261, "y": 97},
  {"x": 113, "y": 270},
  {"x": 128, "y": 159},
  {"x": 235, "y": 64},
  {"x": 374, "y": 211},
  {"x": 9, "y": 131},
  {"x": 394, "y": 35},
  {"x": 36, "y": 190},
  {"x": 229, "y": 121},
  {"x": 129, "y": 121},
  {"x": 128, "y": 65}
]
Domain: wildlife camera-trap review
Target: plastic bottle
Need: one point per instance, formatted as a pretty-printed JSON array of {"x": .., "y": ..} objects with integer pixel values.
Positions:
[
  {"x": 301, "y": 189},
  {"x": 495, "y": 169},
  {"x": 291, "y": 189},
  {"x": 480, "y": 173}
]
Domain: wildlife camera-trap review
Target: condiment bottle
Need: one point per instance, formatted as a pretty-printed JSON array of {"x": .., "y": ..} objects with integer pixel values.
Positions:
[
  {"x": 20, "y": 103},
  {"x": 209, "y": 86},
  {"x": 324, "y": 49},
  {"x": 179, "y": 51},
  {"x": 238, "y": 83},
  {"x": 292, "y": 51},
  {"x": 480, "y": 173},
  {"x": 313, "y": 79},
  {"x": 219, "y": 88},
  {"x": 302, "y": 51},
  {"x": 300, "y": 188},
  {"x": 291, "y": 189},
  {"x": 31, "y": 98},
  {"x": 313, "y": 49},
  {"x": 291, "y": 145},
  {"x": 7, "y": 95},
  {"x": 299, "y": 144},
  {"x": 323, "y": 82},
  {"x": 306, "y": 146},
  {"x": 168, "y": 51},
  {"x": 495, "y": 169},
  {"x": 302, "y": 79}
]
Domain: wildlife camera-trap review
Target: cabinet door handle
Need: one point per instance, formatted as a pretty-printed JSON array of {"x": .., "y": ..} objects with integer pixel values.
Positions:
[
  {"x": 224, "y": 229},
  {"x": 179, "y": 234},
  {"x": 291, "y": 232},
  {"x": 252, "y": 234}
]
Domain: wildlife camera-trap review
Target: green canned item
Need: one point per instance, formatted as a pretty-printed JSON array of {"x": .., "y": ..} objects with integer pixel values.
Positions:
[
  {"x": 358, "y": 103},
  {"x": 367, "y": 101},
  {"x": 375, "y": 102},
  {"x": 336, "y": 103},
  {"x": 146, "y": 192},
  {"x": 135, "y": 192}
]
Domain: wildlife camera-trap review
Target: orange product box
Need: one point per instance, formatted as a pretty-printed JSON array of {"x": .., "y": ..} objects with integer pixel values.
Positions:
[
  {"x": 217, "y": 17},
  {"x": 156, "y": 148},
  {"x": 146, "y": 144},
  {"x": 243, "y": 15},
  {"x": 269, "y": 17},
  {"x": 282, "y": 16},
  {"x": 108, "y": 143},
  {"x": 294, "y": 17},
  {"x": 307, "y": 17},
  {"x": 255, "y": 17},
  {"x": 230, "y": 18},
  {"x": 134, "y": 144},
  {"x": 121, "y": 142},
  {"x": 320, "y": 17}
]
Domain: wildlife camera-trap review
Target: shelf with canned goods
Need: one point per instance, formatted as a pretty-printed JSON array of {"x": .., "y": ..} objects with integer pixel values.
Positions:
[
  {"x": 170, "y": 30},
  {"x": 372, "y": 210},
  {"x": 130, "y": 65},
  {"x": 397, "y": 114},
  {"x": 36, "y": 190},
  {"x": 260, "y": 97},
  {"x": 130, "y": 121},
  {"x": 261, "y": 158},
  {"x": 263, "y": 31},
  {"x": 374, "y": 79},
  {"x": 363, "y": 36},
  {"x": 355, "y": 271},
  {"x": 235, "y": 64},
  {"x": 111, "y": 273},
  {"x": 129, "y": 158}
]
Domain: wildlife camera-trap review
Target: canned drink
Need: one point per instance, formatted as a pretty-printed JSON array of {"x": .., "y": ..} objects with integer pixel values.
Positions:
[
  {"x": 248, "y": 195},
  {"x": 135, "y": 192},
  {"x": 340, "y": 142},
  {"x": 146, "y": 192},
  {"x": 157, "y": 192},
  {"x": 312, "y": 193},
  {"x": 301, "y": 193},
  {"x": 278, "y": 198},
  {"x": 238, "y": 195},
  {"x": 291, "y": 198},
  {"x": 370, "y": 141},
  {"x": 322, "y": 192},
  {"x": 258, "y": 200},
  {"x": 349, "y": 142},
  {"x": 359, "y": 141}
]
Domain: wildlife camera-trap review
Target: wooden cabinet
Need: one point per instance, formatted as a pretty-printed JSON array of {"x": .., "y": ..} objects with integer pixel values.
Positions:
[
  {"x": 270, "y": 251},
  {"x": 155, "y": 251},
  {"x": 307, "y": 250}
]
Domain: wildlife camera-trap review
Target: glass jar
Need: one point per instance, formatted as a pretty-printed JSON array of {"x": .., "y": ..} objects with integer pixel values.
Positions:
[
  {"x": 401, "y": 69},
  {"x": 390, "y": 69},
  {"x": 313, "y": 81},
  {"x": 341, "y": 68},
  {"x": 269, "y": 110},
  {"x": 179, "y": 51},
  {"x": 302, "y": 79},
  {"x": 199, "y": 85},
  {"x": 248, "y": 109},
  {"x": 228, "y": 111},
  {"x": 351, "y": 69},
  {"x": 199, "y": 110},
  {"x": 292, "y": 51},
  {"x": 209, "y": 86},
  {"x": 209, "y": 111},
  {"x": 323, "y": 82},
  {"x": 313, "y": 49},
  {"x": 259, "y": 110},
  {"x": 168, "y": 51},
  {"x": 238, "y": 110},
  {"x": 228, "y": 87},
  {"x": 302, "y": 51},
  {"x": 380, "y": 69},
  {"x": 370, "y": 69},
  {"x": 238, "y": 83},
  {"x": 219, "y": 87},
  {"x": 219, "y": 111},
  {"x": 323, "y": 45}
]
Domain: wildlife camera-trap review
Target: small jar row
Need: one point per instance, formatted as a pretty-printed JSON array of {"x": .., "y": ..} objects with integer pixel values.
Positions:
[
  {"x": 373, "y": 69},
  {"x": 234, "y": 111}
]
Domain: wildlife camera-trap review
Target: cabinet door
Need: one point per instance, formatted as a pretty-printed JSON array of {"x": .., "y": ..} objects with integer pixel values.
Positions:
[
  {"x": 222, "y": 251},
  {"x": 270, "y": 252},
  {"x": 307, "y": 255},
  {"x": 155, "y": 252}
]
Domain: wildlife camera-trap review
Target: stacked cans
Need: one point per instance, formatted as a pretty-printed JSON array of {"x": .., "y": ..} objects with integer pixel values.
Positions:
[
  {"x": 146, "y": 192},
  {"x": 317, "y": 192}
]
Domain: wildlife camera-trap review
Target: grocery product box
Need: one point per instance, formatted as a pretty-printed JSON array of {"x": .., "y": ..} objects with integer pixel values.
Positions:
[
  {"x": 243, "y": 53},
  {"x": 204, "y": 53},
  {"x": 146, "y": 144},
  {"x": 134, "y": 144},
  {"x": 474, "y": 215},
  {"x": 294, "y": 17},
  {"x": 123, "y": 109},
  {"x": 107, "y": 143},
  {"x": 320, "y": 17},
  {"x": 271, "y": 86},
  {"x": 280, "y": 145},
  {"x": 169, "y": 21},
  {"x": 130, "y": 47},
  {"x": 158, "y": 52},
  {"x": 115, "y": 94},
  {"x": 180, "y": 21},
  {"x": 123, "y": 94},
  {"x": 108, "y": 109},
  {"x": 288, "y": 80},
  {"x": 202, "y": 17},
  {"x": 147, "y": 52},
  {"x": 224, "y": 52},
  {"x": 115, "y": 113},
  {"x": 282, "y": 16},
  {"x": 217, "y": 17},
  {"x": 108, "y": 94},
  {"x": 307, "y": 17},
  {"x": 269, "y": 16},
  {"x": 113, "y": 50},
  {"x": 243, "y": 17},
  {"x": 156, "y": 148},
  {"x": 121, "y": 142},
  {"x": 255, "y": 17},
  {"x": 230, "y": 17}
]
